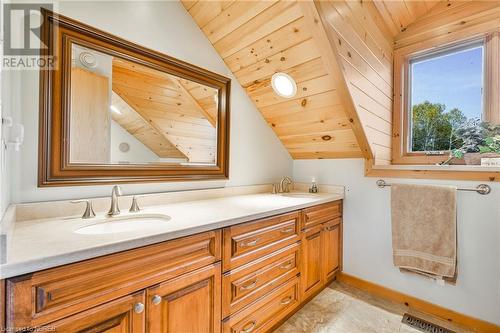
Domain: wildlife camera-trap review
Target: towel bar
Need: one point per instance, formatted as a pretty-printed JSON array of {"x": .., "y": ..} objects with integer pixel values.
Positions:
[{"x": 481, "y": 188}]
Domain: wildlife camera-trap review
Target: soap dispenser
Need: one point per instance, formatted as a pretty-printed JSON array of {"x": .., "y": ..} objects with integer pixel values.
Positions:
[{"x": 314, "y": 187}]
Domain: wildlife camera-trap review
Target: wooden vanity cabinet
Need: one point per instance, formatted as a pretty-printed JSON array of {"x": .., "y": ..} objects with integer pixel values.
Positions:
[
  {"x": 321, "y": 247},
  {"x": 190, "y": 303},
  {"x": 273, "y": 266},
  {"x": 46, "y": 296},
  {"x": 312, "y": 258},
  {"x": 332, "y": 249},
  {"x": 124, "y": 315},
  {"x": 244, "y": 278},
  {"x": 246, "y": 242}
]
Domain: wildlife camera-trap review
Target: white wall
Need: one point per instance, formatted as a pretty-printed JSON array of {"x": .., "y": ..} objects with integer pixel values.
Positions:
[
  {"x": 5, "y": 84},
  {"x": 256, "y": 155},
  {"x": 137, "y": 153},
  {"x": 368, "y": 248}
]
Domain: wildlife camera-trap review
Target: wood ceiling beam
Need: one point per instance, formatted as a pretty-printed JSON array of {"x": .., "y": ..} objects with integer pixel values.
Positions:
[
  {"x": 194, "y": 101},
  {"x": 169, "y": 107},
  {"x": 143, "y": 130},
  {"x": 328, "y": 49}
]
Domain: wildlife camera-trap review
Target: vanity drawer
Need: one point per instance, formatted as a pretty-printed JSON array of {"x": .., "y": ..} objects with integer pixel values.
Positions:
[
  {"x": 266, "y": 312},
  {"x": 322, "y": 213},
  {"x": 246, "y": 284},
  {"x": 252, "y": 240},
  {"x": 48, "y": 295}
]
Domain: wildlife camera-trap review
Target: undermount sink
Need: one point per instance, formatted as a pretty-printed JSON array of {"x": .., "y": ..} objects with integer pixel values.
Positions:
[
  {"x": 299, "y": 195},
  {"x": 118, "y": 224}
]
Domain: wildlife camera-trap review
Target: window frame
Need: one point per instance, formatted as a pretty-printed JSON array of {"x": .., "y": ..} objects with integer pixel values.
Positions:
[{"x": 401, "y": 153}]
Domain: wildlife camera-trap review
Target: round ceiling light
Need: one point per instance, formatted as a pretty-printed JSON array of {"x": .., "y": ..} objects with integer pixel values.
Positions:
[{"x": 284, "y": 85}]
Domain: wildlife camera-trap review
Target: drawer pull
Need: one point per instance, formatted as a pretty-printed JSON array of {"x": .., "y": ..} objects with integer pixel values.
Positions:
[
  {"x": 249, "y": 327},
  {"x": 156, "y": 299},
  {"x": 249, "y": 286},
  {"x": 330, "y": 228},
  {"x": 139, "y": 308},
  {"x": 250, "y": 243},
  {"x": 286, "y": 265},
  {"x": 287, "y": 230},
  {"x": 286, "y": 300}
]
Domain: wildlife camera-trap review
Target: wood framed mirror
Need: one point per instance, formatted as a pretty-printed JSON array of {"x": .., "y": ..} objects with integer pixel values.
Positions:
[{"x": 112, "y": 111}]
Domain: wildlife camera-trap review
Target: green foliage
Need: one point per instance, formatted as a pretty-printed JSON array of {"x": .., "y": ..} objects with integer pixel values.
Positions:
[
  {"x": 433, "y": 129},
  {"x": 477, "y": 137},
  {"x": 472, "y": 134},
  {"x": 492, "y": 145}
]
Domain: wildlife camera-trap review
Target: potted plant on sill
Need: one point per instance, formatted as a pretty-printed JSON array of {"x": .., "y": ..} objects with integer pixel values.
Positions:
[
  {"x": 479, "y": 140},
  {"x": 490, "y": 152}
]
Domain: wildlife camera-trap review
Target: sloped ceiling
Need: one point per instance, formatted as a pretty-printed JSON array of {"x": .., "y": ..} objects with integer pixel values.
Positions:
[
  {"x": 339, "y": 53},
  {"x": 363, "y": 48},
  {"x": 257, "y": 39},
  {"x": 399, "y": 14},
  {"x": 143, "y": 130},
  {"x": 183, "y": 113},
  {"x": 450, "y": 19}
]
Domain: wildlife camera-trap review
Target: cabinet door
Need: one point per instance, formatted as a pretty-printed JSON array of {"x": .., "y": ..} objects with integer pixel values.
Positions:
[
  {"x": 190, "y": 303},
  {"x": 331, "y": 244},
  {"x": 123, "y": 315},
  {"x": 312, "y": 256}
]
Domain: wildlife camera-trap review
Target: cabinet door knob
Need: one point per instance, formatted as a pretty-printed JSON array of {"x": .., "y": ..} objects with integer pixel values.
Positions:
[
  {"x": 249, "y": 327},
  {"x": 286, "y": 300},
  {"x": 156, "y": 299},
  {"x": 138, "y": 308}
]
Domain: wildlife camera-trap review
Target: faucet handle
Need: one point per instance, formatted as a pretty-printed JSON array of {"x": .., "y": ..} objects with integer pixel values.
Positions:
[
  {"x": 134, "y": 208},
  {"x": 89, "y": 210},
  {"x": 117, "y": 189}
]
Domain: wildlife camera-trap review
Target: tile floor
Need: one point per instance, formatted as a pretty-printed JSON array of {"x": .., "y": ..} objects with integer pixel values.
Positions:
[{"x": 343, "y": 309}]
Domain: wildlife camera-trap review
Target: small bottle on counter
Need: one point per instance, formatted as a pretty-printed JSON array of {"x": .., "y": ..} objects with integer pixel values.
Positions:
[{"x": 314, "y": 187}]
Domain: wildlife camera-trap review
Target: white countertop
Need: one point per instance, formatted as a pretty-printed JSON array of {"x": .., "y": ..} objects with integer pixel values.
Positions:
[{"x": 44, "y": 243}]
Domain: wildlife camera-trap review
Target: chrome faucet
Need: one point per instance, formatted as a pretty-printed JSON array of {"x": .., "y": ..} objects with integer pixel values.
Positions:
[
  {"x": 114, "y": 209},
  {"x": 285, "y": 185},
  {"x": 89, "y": 211}
]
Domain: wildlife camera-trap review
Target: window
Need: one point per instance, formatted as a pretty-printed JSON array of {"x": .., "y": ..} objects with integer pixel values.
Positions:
[
  {"x": 445, "y": 93},
  {"x": 446, "y": 103}
]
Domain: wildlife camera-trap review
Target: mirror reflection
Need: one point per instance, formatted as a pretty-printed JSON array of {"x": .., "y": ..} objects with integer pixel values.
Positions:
[{"x": 125, "y": 113}]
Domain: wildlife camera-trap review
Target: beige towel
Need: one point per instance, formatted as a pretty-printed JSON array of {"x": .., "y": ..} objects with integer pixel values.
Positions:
[{"x": 424, "y": 229}]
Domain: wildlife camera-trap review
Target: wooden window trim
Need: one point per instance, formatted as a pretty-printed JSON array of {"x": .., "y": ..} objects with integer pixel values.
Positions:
[
  {"x": 400, "y": 153},
  {"x": 448, "y": 172},
  {"x": 492, "y": 78}
]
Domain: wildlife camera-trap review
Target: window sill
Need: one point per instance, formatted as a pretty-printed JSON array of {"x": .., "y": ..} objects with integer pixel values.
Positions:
[
  {"x": 458, "y": 172},
  {"x": 429, "y": 167}
]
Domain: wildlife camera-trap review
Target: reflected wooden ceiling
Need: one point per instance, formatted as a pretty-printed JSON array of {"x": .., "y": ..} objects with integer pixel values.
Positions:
[
  {"x": 143, "y": 130},
  {"x": 178, "y": 111}
]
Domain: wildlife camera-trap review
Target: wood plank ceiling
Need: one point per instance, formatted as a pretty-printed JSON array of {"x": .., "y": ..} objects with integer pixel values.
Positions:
[
  {"x": 259, "y": 38},
  {"x": 177, "y": 111},
  {"x": 364, "y": 49},
  {"x": 399, "y": 14}
]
